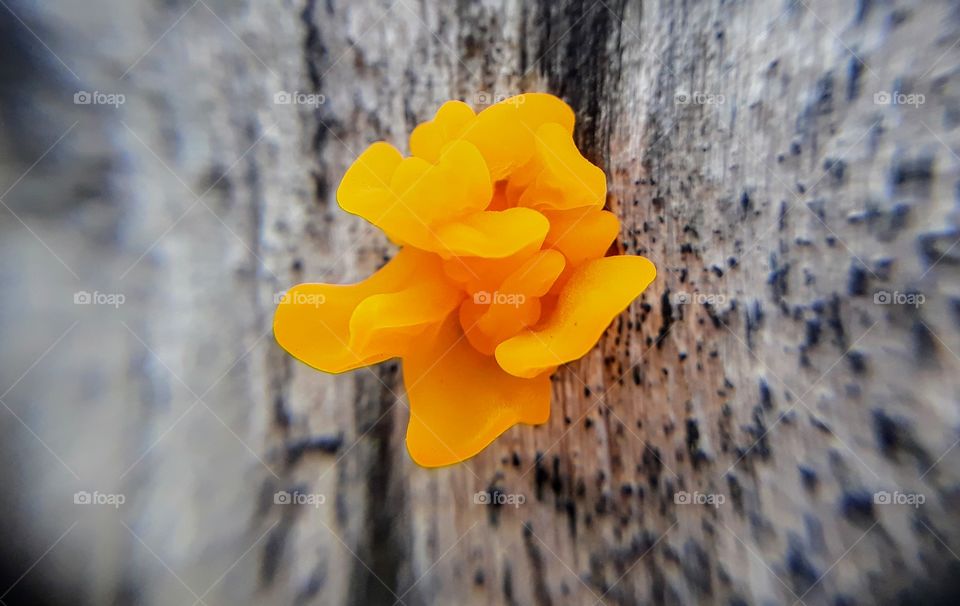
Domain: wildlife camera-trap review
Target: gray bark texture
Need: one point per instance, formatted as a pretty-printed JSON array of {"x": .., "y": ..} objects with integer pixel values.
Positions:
[{"x": 791, "y": 167}]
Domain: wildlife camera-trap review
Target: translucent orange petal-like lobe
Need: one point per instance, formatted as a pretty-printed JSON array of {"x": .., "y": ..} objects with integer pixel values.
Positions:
[
  {"x": 594, "y": 295},
  {"x": 534, "y": 277},
  {"x": 467, "y": 175},
  {"x": 470, "y": 314},
  {"x": 502, "y": 138},
  {"x": 491, "y": 316},
  {"x": 515, "y": 119},
  {"x": 567, "y": 179},
  {"x": 537, "y": 109},
  {"x": 366, "y": 191},
  {"x": 367, "y": 181},
  {"x": 502, "y": 321},
  {"x": 410, "y": 198},
  {"x": 386, "y": 322},
  {"x": 477, "y": 273},
  {"x": 492, "y": 234},
  {"x": 429, "y": 138},
  {"x": 313, "y": 321},
  {"x": 429, "y": 196},
  {"x": 581, "y": 234},
  {"x": 460, "y": 400}
]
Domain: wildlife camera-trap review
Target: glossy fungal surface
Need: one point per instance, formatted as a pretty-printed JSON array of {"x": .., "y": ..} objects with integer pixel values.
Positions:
[{"x": 501, "y": 274}]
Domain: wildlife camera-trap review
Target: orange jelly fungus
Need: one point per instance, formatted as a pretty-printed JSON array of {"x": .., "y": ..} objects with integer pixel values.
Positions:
[{"x": 500, "y": 278}]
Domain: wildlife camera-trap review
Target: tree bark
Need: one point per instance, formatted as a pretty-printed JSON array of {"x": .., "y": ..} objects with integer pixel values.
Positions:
[{"x": 749, "y": 153}]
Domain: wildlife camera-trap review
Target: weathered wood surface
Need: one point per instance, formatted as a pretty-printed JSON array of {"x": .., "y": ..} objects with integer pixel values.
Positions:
[{"x": 747, "y": 155}]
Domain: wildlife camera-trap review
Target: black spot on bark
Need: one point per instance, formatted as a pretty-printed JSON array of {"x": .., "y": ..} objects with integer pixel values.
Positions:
[
  {"x": 273, "y": 550},
  {"x": 782, "y": 217},
  {"x": 667, "y": 315},
  {"x": 906, "y": 172},
  {"x": 540, "y": 475},
  {"x": 854, "y": 71},
  {"x": 857, "y": 280},
  {"x": 508, "y": 583},
  {"x": 823, "y": 94},
  {"x": 836, "y": 168},
  {"x": 857, "y": 361},
  {"x": 281, "y": 416},
  {"x": 652, "y": 464},
  {"x": 758, "y": 433},
  {"x": 777, "y": 278},
  {"x": 696, "y": 568},
  {"x": 570, "y": 507},
  {"x": 745, "y": 204},
  {"x": 697, "y": 456},
  {"x": 924, "y": 343},
  {"x": 802, "y": 573},
  {"x": 938, "y": 247},
  {"x": 895, "y": 436},
  {"x": 811, "y": 333},
  {"x": 736, "y": 493},
  {"x": 540, "y": 592},
  {"x": 808, "y": 477},
  {"x": 857, "y": 506},
  {"x": 835, "y": 322},
  {"x": 766, "y": 397},
  {"x": 754, "y": 320}
]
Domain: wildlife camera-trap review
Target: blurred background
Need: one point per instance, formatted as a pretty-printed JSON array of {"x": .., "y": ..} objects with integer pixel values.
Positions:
[{"x": 775, "y": 421}]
